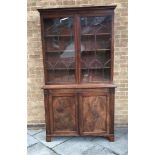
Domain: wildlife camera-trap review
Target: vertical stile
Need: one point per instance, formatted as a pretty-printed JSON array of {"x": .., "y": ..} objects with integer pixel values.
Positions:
[{"x": 77, "y": 48}]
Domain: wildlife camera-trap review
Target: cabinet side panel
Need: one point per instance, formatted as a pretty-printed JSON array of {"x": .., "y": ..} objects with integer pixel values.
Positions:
[
  {"x": 111, "y": 112},
  {"x": 47, "y": 112}
]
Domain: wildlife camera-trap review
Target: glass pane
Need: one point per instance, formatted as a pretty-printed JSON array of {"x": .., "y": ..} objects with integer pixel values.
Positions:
[
  {"x": 95, "y": 48},
  {"x": 60, "y": 51}
]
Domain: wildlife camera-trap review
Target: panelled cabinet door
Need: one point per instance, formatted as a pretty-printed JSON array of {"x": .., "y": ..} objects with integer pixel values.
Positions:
[
  {"x": 64, "y": 114},
  {"x": 94, "y": 109}
]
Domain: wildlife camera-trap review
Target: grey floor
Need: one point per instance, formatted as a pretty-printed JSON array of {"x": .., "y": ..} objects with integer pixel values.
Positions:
[{"x": 36, "y": 144}]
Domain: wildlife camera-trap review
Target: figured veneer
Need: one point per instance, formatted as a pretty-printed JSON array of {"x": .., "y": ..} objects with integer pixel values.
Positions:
[
  {"x": 94, "y": 113},
  {"x": 78, "y": 58}
]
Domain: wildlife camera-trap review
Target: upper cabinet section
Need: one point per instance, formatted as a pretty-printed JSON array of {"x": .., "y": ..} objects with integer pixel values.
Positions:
[{"x": 78, "y": 44}]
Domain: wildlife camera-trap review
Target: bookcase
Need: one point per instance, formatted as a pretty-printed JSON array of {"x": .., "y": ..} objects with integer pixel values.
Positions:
[{"x": 78, "y": 59}]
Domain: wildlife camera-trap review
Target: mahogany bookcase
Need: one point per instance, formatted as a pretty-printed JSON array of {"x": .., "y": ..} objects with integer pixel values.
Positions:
[{"x": 78, "y": 58}]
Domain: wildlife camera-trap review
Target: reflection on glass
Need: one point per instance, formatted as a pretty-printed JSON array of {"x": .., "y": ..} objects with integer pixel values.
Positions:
[
  {"x": 60, "y": 54},
  {"x": 95, "y": 48}
]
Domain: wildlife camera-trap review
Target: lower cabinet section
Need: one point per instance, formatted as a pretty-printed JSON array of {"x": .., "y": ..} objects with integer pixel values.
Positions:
[{"x": 79, "y": 113}]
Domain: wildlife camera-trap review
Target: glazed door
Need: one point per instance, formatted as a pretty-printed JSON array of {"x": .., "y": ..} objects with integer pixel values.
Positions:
[
  {"x": 63, "y": 110},
  {"x": 94, "y": 109},
  {"x": 96, "y": 48},
  {"x": 59, "y": 47}
]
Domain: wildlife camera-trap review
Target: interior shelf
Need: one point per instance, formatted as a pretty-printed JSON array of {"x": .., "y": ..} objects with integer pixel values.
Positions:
[
  {"x": 71, "y": 35},
  {"x": 81, "y": 68},
  {"x": 59, "y": 51},
  {"x": 92, "y": 50},
  {"x": 58, "y": 35},
  {"x": 95, "y": 68},
  {"x": 97, "y": 50},
  {"x": 50, "y": 69},
  {"x": 97, "y": 34}
]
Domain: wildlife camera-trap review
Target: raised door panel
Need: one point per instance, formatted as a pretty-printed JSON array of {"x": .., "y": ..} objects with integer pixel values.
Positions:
[
  {"x": 64, "y": 114},
  {"x": 94, "y": 113}
]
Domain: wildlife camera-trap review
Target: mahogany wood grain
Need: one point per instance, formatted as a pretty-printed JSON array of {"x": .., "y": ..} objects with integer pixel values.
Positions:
[
  {"x": 111, "y": 111},
  {"x": 64, "y": 113},
  {"x": 78, "y": 46},
  {"x": 112, "y": 48},
  {"x": 48, "y": 11},
  {"x": 76, "y": 107},
  {"x": 79, "y": 86},
  {"x": 93, "y": 111},
  {"x": 47, "y": 114}
]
